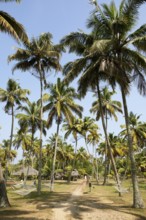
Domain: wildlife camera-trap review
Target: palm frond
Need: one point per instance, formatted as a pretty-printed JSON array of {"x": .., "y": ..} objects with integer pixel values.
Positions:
[{"x": 9, "y": 25}]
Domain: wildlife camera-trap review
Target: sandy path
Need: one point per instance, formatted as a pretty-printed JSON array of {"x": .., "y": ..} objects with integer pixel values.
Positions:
[
  {"x": 88, "y": 210},
  {"x": 69, "y": 210}
]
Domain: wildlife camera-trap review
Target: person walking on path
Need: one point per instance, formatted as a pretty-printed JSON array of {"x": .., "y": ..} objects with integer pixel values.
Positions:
[{"x": 90, "y": 186}]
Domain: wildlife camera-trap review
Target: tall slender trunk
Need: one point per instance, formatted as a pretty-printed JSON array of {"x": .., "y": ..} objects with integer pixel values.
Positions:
[
  {"x": 26, "y": 176},
  {"x": 29, "y": 155},
  {"x": 94, "y": 164},
  {"x": 87, "y": 145},
  {"x": 54, "y": 158},
  {"x": 137, "y": 199},
  {"x": 106, "y": 158},
  {"x": 4, "y": 201},
  {"x": 41, "y": 131},
  {"x": 108, "y": 143},
  {"x": 74, "y": 161},
  {"x": 12, "y": 129},
  {"x": 10, "y": 146},
  {"x": 96, "y": 169},
  {"x": 93, "y": 167}
]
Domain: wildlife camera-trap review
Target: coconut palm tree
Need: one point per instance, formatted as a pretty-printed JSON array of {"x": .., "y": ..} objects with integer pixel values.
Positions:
[
  {"x": 9, "y": 25},
  {"x": 29, "y": 120},
  {"x": 127, "y": 62},
  {"x": 137, "y": 130},
  {"x": 109, "y": 107},
  {"x": 14, "y": 95},
  {"x": 83, "y": 161},
  {"x": 107, "y": 55},
  {"x": 90, "y": 66},
  {"x": 8, "y": 155},
  {"x": 22, "y": 139},
  {"x": 93, "y": 139},
  {"x": 38, "y": 56},
  {"x": 75, "y": 130},
  {"x": 87, "y": 126},
  {"x": 61, "y": 105}
]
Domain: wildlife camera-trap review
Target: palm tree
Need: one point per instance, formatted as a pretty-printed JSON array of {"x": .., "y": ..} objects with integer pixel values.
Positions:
[
  {"x": 109, "y": 108},
  {"x": 15, "y": 29},
  {"x": 74, "y": 129},
  {"x": 87, "y": 126},
  {"x": 83, "y": 161},
  {"x": 13, "y": 96},
  {"x": 82, "y": 154},
  {"x": 107, "y": 55},
  {"x": 22, "y": 139},
  {"x": 137, "y": 130},
  {"x": 90, "y": 65},
  {"x": 11, "y": 26},
  {"x": 125, "y": 58},
  {"x": 8, "y": 155},
  {"x": 30, "y": 121},
  {"x": 93, "y": 139},
  {"x": 38, "y": 56},
  {"x": 61, "y": 104}
]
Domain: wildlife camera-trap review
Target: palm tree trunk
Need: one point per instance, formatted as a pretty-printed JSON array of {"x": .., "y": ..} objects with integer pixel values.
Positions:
[
  {"x": 137, "y": 199},
  {"x": 41, "y": 131},
  {"x": 10, "y": 147},
  {"x": 87, "y": 145},
  {"x": 75, "y": 158},
  {"x": 108, "y": 143},
  {"x": 4, "y": 202},
  {"x": 12, "y": 128},
  {"x": 106, "y": 159},
  {"x": 29, "y": 156},
  {"x": 54, "y": 158},
  {"x": 26, "y": 176},
  {"x": 96, "y": 169}
]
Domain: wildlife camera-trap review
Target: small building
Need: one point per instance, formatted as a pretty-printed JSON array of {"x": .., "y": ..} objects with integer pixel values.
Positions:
[
  {"x": 23, "y": 172},
  {"x": 74, "y": 175}
]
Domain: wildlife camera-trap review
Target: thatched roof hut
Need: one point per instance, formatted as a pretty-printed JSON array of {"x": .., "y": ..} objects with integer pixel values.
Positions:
[
  {"x": 31, "y": 172},
  {"x": 74, "y": 173}
]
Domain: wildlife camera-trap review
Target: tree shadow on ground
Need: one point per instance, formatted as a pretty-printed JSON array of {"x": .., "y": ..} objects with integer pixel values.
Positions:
[
  {"x": 78, "y": 205},
  {"x": 15, "y": 214},
  {"x": 75, "y": 205}
]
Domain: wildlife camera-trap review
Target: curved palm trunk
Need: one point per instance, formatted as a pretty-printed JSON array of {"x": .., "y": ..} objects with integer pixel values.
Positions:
[
  {"x": 41, "y": 131},
  {"x": 108, "y": 143},
  {"x": 137, "y": 199},
  {"x": 54, "y": 159},
  {"x": 4, "y": 202}
]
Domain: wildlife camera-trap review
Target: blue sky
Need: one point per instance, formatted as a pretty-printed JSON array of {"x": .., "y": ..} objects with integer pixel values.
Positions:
[{"x": 59, "y": 17}]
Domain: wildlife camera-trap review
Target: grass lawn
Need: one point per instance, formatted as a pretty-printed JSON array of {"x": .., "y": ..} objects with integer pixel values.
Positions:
[{"x": 111, "y": 197}]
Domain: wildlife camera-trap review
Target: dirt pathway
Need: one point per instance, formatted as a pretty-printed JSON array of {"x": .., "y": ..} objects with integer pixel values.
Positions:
[
  {"x": 83, "y": 208},
  {"x": 69, "y": 209}
]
